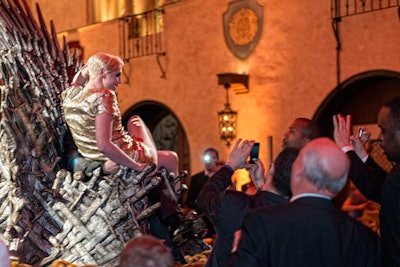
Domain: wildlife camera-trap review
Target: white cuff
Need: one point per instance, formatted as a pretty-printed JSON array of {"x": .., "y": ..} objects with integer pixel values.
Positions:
[{"x": 346, "y": 149}]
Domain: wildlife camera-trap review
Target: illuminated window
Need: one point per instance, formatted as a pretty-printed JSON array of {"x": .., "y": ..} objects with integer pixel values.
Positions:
[{"x": 105, "y": 10}]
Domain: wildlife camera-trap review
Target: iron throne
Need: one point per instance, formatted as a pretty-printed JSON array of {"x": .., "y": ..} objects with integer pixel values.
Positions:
[{"x": 46, "y": 212}]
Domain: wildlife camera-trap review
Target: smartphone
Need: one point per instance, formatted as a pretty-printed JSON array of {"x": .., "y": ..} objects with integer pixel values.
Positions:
[
  {"x": 360, "y": 132},
  {"x": 254, "y": 152}
]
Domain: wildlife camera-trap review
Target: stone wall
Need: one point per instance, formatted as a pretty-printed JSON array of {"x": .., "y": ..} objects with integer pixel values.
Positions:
[{"x": 292, "y": 69}]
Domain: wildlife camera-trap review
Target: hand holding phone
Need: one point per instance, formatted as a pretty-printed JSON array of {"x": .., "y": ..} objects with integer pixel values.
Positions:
[
  {"x": 254, "y": 152},
  {"x": 360, "y": 132}
]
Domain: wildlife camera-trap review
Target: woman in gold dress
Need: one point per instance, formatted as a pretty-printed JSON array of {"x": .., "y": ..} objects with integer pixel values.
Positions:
[{"x": 91, "y": 111}]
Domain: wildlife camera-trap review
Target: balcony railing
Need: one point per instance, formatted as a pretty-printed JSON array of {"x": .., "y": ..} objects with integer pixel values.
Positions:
[
  {"x": 343, "y": 8},
  {"x": 141, "y": 34}
]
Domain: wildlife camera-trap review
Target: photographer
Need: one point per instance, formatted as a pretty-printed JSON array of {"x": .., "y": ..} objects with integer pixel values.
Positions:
[
  {"x": 226, "y": 208},
  {"x": 197, "y": 181}
]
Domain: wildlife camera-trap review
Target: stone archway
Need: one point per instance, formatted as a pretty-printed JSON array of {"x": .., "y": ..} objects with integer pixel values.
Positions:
[
  {"x": 361, "y": 95},
  {"x": 165, "y": 127}
]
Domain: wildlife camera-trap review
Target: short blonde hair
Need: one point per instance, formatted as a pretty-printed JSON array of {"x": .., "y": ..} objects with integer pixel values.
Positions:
[{"x": 104, "y": 61}]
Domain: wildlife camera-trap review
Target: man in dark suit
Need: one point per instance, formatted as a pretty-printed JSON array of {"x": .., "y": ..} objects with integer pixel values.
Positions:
[
  {"x": 373, "y": 182},
  {"x": 226, "y": 208},
  {"x": 310, "y": 230},
  {"x": 197, "y": 181}
]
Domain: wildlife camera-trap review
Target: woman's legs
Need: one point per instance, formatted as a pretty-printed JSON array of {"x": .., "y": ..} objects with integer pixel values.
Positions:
[
  {"x": 141, "y": 134},
  {"x": 165, "y": 158},
  {"x": 169, "y": 160}
]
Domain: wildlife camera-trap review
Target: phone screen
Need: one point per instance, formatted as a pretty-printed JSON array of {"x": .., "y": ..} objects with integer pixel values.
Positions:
[{"x": 254, "y": 152}]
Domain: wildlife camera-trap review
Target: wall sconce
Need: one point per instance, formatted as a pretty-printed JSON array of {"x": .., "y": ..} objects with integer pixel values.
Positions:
[
  {"x": 239, "y": 83},
  {"x": 227, "y": 118}
]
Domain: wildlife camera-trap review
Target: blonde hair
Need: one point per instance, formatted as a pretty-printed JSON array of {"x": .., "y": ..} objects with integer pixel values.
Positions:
[{"x": 104, "y": 61}]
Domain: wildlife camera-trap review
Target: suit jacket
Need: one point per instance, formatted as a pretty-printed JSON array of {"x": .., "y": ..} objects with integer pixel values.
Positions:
[
  {"x": 308, "y": 232},
  {"x": 226, "y": 209},
  {"x": 383, "y": 188},
  {"x": 197, "y": 182}
]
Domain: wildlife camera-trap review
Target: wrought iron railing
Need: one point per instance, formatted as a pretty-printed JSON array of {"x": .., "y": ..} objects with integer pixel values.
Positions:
[
  {"x": 141, "y": 34},
  {"x": 343, "y": 8}
]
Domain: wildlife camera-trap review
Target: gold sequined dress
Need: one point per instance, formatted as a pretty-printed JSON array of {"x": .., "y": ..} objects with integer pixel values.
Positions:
[{"x": 80, "y": 106}]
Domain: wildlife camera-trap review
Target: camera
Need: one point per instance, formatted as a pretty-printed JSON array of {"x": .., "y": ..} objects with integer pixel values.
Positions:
[
  {"x": 207, "y": 158},
  {"x": 254, "y": 152}
]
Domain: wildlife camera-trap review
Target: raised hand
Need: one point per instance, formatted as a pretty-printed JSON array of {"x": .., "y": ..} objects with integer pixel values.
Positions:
[
  {"x": 342, "y": 130},
  {"x": 238, "y": 156}
]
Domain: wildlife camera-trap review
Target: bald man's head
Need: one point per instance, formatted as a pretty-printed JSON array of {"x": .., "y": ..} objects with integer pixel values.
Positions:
[{"x": 323, "y": 166}]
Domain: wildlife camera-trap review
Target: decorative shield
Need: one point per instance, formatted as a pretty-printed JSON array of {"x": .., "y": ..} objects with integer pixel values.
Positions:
[{"x": 243, "y": 23}]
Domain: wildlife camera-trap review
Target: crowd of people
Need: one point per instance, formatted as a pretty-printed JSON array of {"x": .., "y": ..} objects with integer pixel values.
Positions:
[
  {"x": 302, "y": 225},
  {"x": 291, "y": 220}
]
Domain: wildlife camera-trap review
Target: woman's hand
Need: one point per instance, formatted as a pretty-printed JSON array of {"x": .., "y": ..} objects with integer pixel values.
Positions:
[
  {"x": 82, "y": 76},
  {"x": 139, "y": 166},
  {"x": 110, "y": 167},
  {"x": 108, "y": 148}
]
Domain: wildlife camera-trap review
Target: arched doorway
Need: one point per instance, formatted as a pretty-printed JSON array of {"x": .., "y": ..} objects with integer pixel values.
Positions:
[
  {"x": 165, "y": 127},
  {"x": 362, "y": 96}
]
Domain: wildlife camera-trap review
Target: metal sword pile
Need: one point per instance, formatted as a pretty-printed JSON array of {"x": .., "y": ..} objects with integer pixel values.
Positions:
[{"x": 47, "y": 213}]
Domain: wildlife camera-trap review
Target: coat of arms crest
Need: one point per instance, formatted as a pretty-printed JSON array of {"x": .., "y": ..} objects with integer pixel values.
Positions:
[{"x": 243, "y": 22}]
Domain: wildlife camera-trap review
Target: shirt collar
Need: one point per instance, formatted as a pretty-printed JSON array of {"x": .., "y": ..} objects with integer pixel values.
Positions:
[{"x": 308, "y": 195}]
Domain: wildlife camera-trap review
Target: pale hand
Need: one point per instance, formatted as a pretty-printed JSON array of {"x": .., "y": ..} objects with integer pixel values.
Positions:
[
  {"x": 239, "y": 154},
  {"x": 342, "y": 130}
]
